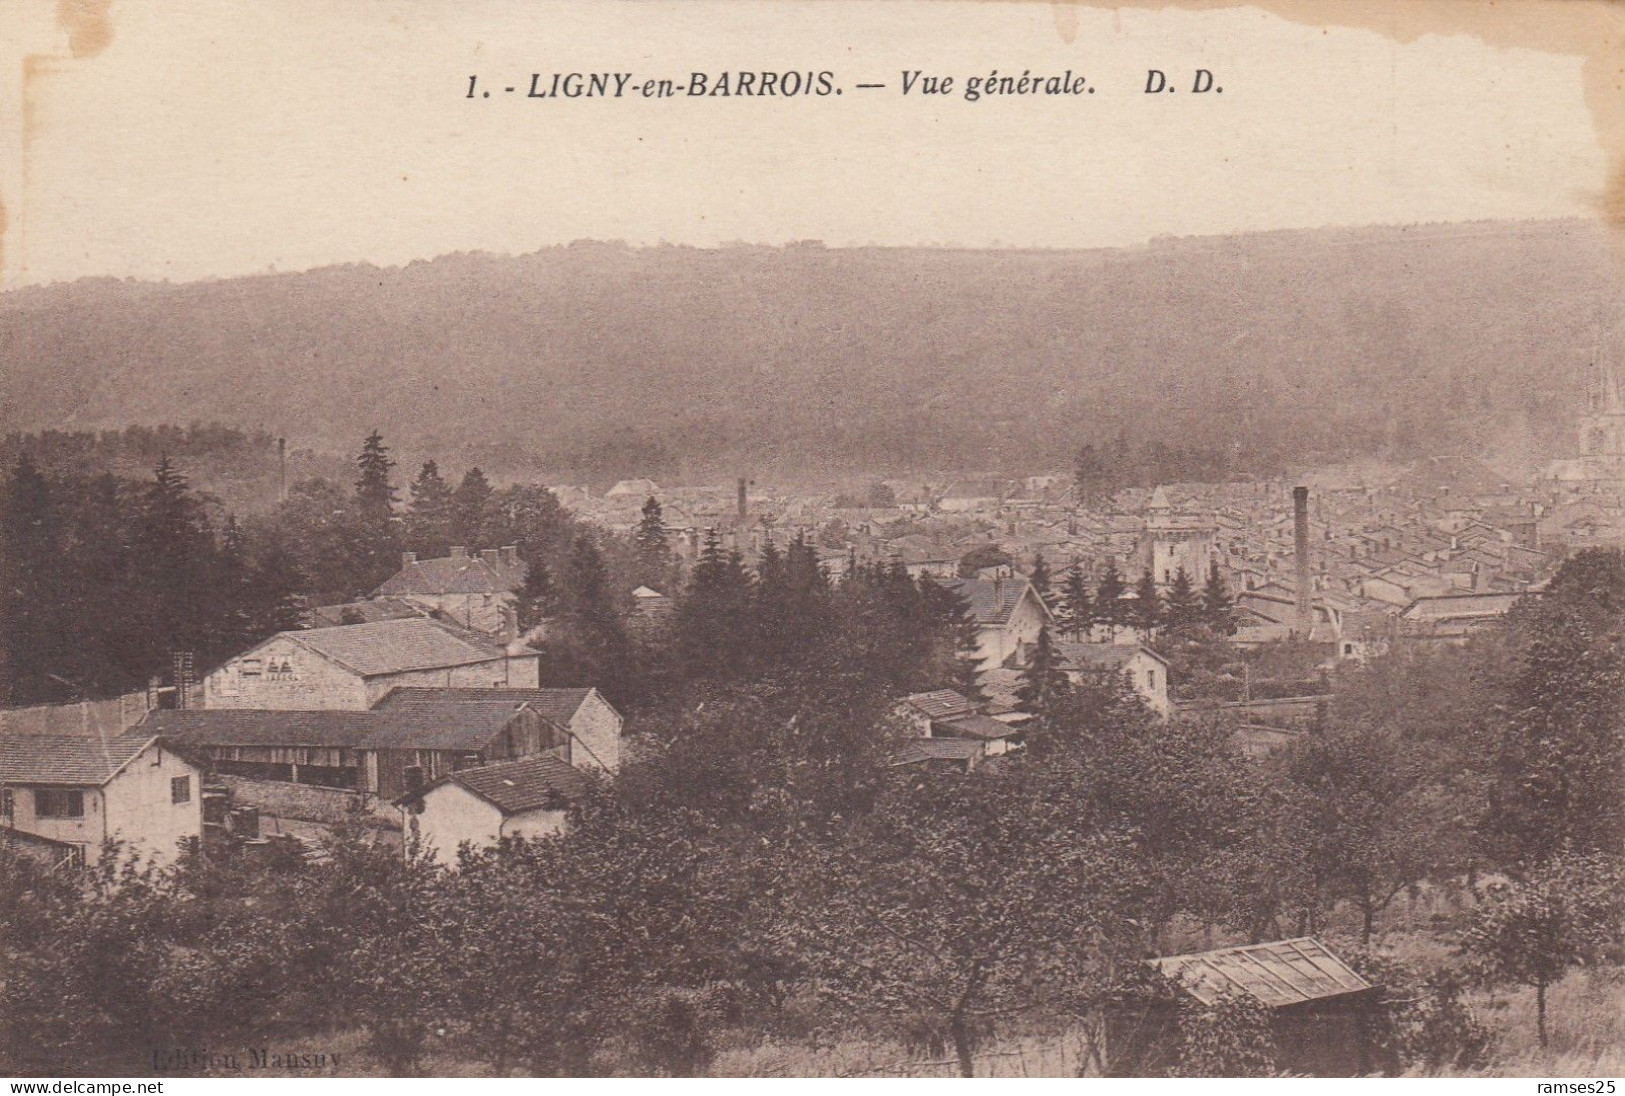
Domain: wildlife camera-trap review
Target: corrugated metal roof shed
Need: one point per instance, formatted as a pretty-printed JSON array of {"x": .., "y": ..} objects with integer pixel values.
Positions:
[{"x": 1276, "y": 974}]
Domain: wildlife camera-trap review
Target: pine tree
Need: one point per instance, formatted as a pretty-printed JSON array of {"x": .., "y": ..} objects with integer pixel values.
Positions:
[
  {"x": 1182, "y": 605},
  {"x": 373, "y": 547},
  {"x": 30, "y": 552},
  {"x": 430, "y": 518},
  {"x": 1109, "y": 608},
  {"x": 961, "y": 662},
  {"x": 533, "y": 601},
  {"x": 173, "y": 555},
  {"x": 1040, "y": 576},
  {"x": 594, "y": 648},
  {"x": 277, "y": 581},
  {"x": 1077, "y": 610},
  {"x": 1147, "y": 607},
  {"x": 374, "y": 492},
  {"x": 653, "y": 549},
  {"x": 1042, "y": 680},
  {"x": 713, "y": 621},
  {"x": 1217, "y": 607},
  {"x": 469, "y": 504},
  {"x": 1091, "y": 477}
]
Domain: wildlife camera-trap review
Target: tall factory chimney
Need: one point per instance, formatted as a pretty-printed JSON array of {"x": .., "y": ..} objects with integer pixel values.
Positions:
[
  {"x": 1300, "y": 535},
  {"x": 743, "y": 482}
]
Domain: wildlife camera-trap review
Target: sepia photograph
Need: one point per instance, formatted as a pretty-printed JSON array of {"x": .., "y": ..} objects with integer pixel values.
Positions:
[{"x": 891, "y": 539}]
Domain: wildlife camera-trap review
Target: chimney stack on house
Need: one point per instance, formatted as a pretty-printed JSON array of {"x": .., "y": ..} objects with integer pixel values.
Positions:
[
  {"x": 510, "y": 629},
  {"x": 1300, "y": 532},
  {"x": 743, "y": 504},
  {"x": 510, "y": 554},
  {"x": 458, "y": 551},
  {"x": 408, "y": 558},
  {"x": 490, "y": 556}
]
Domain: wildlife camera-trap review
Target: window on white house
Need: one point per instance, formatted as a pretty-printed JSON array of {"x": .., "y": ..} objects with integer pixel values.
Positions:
[
  {"x": 7, "y": 806},
  {"x": 58, "y": 803},
  {"x": 180, "y": 789},
  {"x": 250, "y": 667},
  {"x": 1151, "y": 680}
]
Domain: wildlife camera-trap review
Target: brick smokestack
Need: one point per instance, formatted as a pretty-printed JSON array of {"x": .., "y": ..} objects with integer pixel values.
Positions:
[{"x": 1300, "y": 535}]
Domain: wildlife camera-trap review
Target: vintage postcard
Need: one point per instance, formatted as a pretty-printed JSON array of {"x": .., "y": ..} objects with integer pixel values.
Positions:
[{"x": 879, "y": 539}]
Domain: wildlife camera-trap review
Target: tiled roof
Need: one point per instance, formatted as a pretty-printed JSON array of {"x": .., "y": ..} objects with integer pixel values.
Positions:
[
  {"x": 992, "y": 601},
  {"x": 1108, "y": 656},
  {"x": 1285, "y": 972},
  {"x": 364, "y": 612},
  {"x": 975, "y": 725},
  {"x": 241, "y": 727},
  {"x": 942, "y": 704},
  {"x": 558, "y": 705},
  {"x": 71, "y": 760},
  {"x": 523, "y": 785},
  {"x": 455, "y": 575},
  {"x": 940, "y": 749},
  {"x": 428, "y": 720},
  {"x": 394, "y": 646}
]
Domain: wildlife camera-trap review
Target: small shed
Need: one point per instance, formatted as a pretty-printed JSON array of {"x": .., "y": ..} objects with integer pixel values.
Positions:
[{"x": 1319, "y": 1008}]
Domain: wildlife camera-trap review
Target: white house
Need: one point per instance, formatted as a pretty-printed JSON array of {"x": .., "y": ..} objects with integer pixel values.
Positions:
[
  {"x": 1146, "y": 671},
  {"x": 1009, "y": 615},
  {"x": 353, "y": 666},
  {"x": 62, "y": 797},
  {"x": 480, "y": 806},
  {"x": 946, "y": 714}
]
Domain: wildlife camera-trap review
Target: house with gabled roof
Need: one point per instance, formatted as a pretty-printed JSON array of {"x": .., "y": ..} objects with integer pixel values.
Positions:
[
  {"x": 479, "y": 807},
  {"x": 472, "y": 591},
  {"x": 1145, "y": 671},
  {"x": 352, "y": 666},
  {"x": 63, "y": 796},
  {"x": 1009, "y": 615}
]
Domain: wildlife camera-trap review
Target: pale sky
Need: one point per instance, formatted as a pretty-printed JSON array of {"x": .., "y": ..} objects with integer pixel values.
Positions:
[{"x": 220, "y": 138}]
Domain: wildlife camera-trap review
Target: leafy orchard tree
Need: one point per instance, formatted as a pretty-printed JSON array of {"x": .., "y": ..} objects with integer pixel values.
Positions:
[
  {"x": 963, "y": 900},
  {"x": 1381, "y": 814},
  {"x": 1567, "y": 913},
  {"x": 1560, "y": 759}
]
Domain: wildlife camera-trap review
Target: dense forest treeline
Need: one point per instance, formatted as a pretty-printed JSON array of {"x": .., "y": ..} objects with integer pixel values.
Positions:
[
  {"x": 104, "y": 578},
  {"x": 1208, "y": 358}
]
